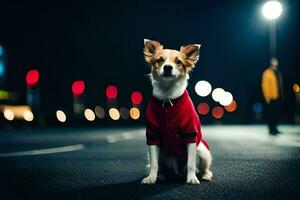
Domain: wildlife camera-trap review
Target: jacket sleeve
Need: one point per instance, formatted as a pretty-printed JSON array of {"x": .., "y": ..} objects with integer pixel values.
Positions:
[
  {"x": 152, "y": 131},
  {"x": 189, "y": 127}
]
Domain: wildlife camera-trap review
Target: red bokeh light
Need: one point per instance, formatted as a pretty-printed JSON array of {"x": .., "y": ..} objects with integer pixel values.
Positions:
[
  {"x": 136, "y": 97},
  {"x": 217, "y": 112},
  {"x": 78, "y": 87},
  {"x": 203, "y": 108},
  {"x": 111, "y": 92},
  {"x": 32, "y": 77}
]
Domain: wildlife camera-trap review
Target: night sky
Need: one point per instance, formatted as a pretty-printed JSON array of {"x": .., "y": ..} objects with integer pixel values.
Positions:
[{"x": 101, "y": 42}]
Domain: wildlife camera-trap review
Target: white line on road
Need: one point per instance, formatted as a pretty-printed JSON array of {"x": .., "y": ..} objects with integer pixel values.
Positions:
[
  {"x": 63, "y": 149},
  {"x": 123, "y": 136},
  {"x": 287, "y": 143}
]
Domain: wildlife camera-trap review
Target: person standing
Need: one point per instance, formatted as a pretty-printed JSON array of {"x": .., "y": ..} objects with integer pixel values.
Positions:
[{"x": 273, "y": 95}]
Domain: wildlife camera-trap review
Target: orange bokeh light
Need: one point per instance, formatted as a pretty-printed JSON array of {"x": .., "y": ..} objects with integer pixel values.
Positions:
[{"x": 231, "y": 107}]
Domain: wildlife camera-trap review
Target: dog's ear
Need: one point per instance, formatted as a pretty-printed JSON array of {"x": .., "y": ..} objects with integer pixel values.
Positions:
[
  {"x": 151, "y": 47},
  {"x": 191, "y": 53}
]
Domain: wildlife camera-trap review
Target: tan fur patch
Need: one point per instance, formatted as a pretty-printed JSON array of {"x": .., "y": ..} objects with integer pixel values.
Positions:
[{"x": 184, "y": 60}]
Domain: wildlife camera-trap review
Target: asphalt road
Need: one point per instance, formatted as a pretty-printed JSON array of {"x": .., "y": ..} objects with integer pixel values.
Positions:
[{"x": 110, "y": 163}]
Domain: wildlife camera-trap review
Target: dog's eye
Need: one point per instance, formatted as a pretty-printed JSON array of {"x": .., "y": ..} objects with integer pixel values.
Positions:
[
  {"x": 160, "y": 61},
  {"x": 178, "y": 62}
]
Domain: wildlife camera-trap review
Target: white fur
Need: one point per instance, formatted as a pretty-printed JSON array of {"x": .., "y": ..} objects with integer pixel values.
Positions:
[
  {"x": 153, "y": 151},
  {"x": 169, "y": 89},
  {"x": 199, "y": 161},
  {"x": 191, "y": 164}
]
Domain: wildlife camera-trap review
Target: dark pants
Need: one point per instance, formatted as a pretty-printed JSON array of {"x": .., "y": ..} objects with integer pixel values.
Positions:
[{"x": 273, "y": 114}]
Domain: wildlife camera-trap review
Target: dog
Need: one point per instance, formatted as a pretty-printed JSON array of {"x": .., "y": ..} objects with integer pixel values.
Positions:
[{"x": 173, "y": 130}]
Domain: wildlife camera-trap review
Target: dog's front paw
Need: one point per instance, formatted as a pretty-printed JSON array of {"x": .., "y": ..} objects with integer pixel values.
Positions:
[
  {"x": 192, "y": 179},
  {"x": 207, "y": 176},
  {"x": 149, "y": 180}
]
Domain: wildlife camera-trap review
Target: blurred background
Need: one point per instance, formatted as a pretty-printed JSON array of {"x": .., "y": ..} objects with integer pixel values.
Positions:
[{"x": 80, "y": 63}]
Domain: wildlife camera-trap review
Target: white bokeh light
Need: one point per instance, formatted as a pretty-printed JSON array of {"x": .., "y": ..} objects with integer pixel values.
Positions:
[
  {"x": 61, "y": 116},
  {"x": 89, "y": 114},
  {"x": 203, "y": 88},
  {"x": 28, "y": 115},
  {"x": 8, "y": 114},
  {"x": 217, "y": 94},
  {"x": 114, "y": 113},
  {"x": 272, "y": 10},
  {"x": 226, "y": 99}
]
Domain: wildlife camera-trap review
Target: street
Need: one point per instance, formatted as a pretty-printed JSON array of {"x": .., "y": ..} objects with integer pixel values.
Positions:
[{"x": 110, "y": 163}]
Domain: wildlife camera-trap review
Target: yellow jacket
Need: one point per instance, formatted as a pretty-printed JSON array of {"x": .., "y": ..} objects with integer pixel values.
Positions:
[{"x": 270, "y": 86}]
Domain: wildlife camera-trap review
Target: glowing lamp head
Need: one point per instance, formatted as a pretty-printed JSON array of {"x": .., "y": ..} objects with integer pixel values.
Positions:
[
  {"x": 32, "y": 77},
  {"x": 78, "y": 87},
  {"x": 272, "y": 10}
]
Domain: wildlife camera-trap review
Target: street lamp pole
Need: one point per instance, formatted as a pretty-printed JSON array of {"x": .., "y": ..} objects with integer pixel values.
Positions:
[
  {"x": 273, "y": 39},
  {"x": 271, "y": 11}
]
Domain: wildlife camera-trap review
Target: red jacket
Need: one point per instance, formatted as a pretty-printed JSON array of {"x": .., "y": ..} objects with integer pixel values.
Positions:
[{"x": 173, "y": 126}]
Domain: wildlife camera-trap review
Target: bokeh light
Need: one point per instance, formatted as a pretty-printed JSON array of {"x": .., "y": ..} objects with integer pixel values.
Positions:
[
  {"x": 8, "y": 114},
  {"x": 89, "y": 114},
  {"x": 134, "y": 113},
  {"x": 61, "y": 116},
  {"x": 217, "y": 94},
  {"x": 78, "y": 87},
  {"x": 111, "y": 92},
  {"x": 272, "y": 10},
  {"x": 296, "y": 88},
  {"x": 231, "y": 107},
  {"x": 203, "y": 108},
  {"x": 257, "y": 107},
  {"x": 203, "y": 88},
  {"x": 217, "y": 112},
  {"x": 136, "y": 97},
  {"x": 32, "y": 77},
  {"x": 28, "y": 115},
  {"x": 2, "y": 70},
  {"x": 124, "y": 112},
  {"x": 114, "y": 114},
  {"x": 99, "y": 111},
  {"x": 1, "y": 50},
  {"x": 226, "y": 99}
]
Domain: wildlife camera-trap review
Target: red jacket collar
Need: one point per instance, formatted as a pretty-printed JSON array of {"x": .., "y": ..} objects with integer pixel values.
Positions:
[{"x": 176, "y": 101}]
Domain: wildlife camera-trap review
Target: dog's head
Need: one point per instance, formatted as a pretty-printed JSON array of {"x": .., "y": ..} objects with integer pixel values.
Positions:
[{"x": 168, "y": 64}]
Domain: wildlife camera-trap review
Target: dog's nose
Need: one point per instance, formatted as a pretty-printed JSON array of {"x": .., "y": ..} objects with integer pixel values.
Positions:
[{"x": 168, "y": 68}]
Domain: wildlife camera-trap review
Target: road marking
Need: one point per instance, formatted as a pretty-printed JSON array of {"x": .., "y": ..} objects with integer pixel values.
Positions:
[
  {"x": 288, "y": 143},
  {"x": 122, "y": 137},
  {"x": 63, "y": 149}
]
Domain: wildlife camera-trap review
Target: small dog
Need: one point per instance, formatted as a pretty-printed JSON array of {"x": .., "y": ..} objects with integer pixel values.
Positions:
[{"x": 173, "y": 127}]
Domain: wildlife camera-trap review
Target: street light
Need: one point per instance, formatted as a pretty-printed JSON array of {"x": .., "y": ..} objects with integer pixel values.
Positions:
[{"x": 272, "y": 10}]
